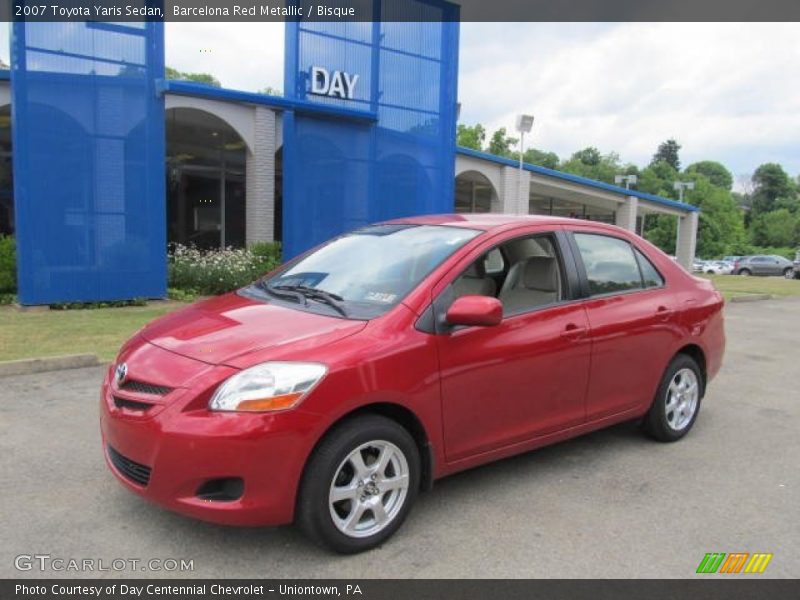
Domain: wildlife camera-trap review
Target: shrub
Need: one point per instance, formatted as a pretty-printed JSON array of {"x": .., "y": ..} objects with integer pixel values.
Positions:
[
  {"x": 6, "y": 299},
  {"x": 102, "y": 304},
  {"x": 269, "y": 253},
  {"x": 217, "y": 271},
  {"x": 8, "y": 265}
]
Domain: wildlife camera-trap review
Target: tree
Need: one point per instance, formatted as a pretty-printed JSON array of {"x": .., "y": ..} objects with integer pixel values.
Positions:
[
  {"x": 590, "y": 163},
  {"x": 716, "y": 173},
  {"x": 501, "y": 143},
  {"x": 471, "y": 137},
  {"x": 779, "y": 228},
  {"x": 205, "y": 78},
  {"x": 668, "y": 153},
  {"x": 771, "y": 183},
  {"x": 539, "y": 157}
]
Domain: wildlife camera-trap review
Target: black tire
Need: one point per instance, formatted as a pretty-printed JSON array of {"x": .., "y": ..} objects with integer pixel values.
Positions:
[
  {"x": 745, "y": 272},
  {"x": 788, "y": 273},
  {"x": 656, "y": 422},
  {"x": 313, "y": 509}
]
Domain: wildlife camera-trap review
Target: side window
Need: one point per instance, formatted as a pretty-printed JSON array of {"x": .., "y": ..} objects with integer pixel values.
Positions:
[
  {"x": 534, "y": 277},
  {"x": 650, "y": 275},
  {"x": 610, "y": 264}
]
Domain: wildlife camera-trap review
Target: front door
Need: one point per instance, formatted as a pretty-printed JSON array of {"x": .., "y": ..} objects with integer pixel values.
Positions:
[{"x": 527, "y": 376}]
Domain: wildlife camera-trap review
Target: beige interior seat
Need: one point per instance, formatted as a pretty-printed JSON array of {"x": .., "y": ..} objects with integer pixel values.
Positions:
[
  {"x": 474, "y": 282},
  {"x": 531, "y": 282}
]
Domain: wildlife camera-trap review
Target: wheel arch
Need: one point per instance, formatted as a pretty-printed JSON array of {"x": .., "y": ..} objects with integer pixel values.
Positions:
[
  {"x": 401, "y": 415},
  {"x": 697, "y": 354}
]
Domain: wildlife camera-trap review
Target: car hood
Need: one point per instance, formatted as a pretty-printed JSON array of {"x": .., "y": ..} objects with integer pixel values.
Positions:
[{"x": 224, "y": 329}]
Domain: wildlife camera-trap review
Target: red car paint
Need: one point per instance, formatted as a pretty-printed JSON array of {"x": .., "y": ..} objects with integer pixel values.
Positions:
[{"x": 478, "y": 394}]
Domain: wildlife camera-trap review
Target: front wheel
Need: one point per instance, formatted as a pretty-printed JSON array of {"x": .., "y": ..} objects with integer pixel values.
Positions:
[
  {"x": 677, "y": 401},
  {"x": 359, "y": 484},
  {"x": 744, "y": 272},
  {"x": 788, "y": 273}
]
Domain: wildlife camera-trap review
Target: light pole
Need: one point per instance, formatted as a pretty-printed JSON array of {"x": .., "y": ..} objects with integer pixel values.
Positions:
[
  {"x": 524, "y": 125},
  {"x": 628, "y": 180},
  {"x": 681, "y": 186}
]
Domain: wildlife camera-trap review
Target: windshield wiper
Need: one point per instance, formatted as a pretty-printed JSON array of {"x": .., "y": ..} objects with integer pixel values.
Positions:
[
  {"x": 329, "y": 298},
  {"x": 275, "y": 290}
]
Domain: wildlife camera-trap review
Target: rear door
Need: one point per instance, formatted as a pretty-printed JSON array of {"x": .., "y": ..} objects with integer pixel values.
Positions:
[{"x": 632, "y": 322}]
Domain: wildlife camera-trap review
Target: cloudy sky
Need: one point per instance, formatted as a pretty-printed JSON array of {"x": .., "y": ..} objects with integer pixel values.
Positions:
[{"x": 728, "y": 92}]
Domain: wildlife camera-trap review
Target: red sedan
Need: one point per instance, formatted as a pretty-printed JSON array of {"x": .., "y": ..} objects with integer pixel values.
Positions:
[{"x": 336, "y": 388}]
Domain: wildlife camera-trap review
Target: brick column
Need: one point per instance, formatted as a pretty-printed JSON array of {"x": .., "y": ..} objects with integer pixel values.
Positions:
[
  {"x": 260, "y": 179},
  {"x": 627, "y": 212},
  {"x": 513, "y": 196},
  {"x": 686, "y": 244}
]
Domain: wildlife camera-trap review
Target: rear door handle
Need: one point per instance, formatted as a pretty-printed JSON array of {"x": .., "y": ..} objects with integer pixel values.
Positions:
[
  {"x": 664, "y": 313},
  {"x": 573, "y": 332}
]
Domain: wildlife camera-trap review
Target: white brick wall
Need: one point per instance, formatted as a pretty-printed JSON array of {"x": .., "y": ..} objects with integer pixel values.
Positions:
[
  {"x": 513, "y": 196},
  {"x": 626, "y": 213},
  {"x": 260, "y": 178}
]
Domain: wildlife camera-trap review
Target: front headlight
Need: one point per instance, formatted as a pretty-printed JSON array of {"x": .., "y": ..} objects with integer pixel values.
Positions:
[{"x": 268, "y": 386}]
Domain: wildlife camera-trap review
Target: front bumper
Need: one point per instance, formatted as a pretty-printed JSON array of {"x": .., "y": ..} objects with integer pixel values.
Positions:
[{"x": 184, "y": 446}]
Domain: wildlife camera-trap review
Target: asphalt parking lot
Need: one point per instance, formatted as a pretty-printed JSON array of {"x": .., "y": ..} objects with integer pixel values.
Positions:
[{"x": 611, "y": 504}]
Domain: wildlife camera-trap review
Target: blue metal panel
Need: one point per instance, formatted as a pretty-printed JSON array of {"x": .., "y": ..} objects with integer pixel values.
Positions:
[
  {"x": 88, "y": 129},
  {"x": 338, "y": 176}
]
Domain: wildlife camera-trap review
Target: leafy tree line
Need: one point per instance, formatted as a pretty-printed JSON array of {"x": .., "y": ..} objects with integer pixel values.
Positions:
[{"x": 764, "y": 218}]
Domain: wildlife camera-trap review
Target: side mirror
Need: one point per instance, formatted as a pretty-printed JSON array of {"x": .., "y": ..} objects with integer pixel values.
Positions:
[{"x": 483, "y": 311}]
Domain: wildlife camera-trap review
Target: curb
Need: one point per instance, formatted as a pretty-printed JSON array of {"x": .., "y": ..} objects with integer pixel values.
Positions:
[
  {"x": 53, "y": 363},
  {"x": 751, "y": 298}
]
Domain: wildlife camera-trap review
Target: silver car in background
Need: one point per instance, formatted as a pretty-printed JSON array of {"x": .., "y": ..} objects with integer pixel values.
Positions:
[{"x": 764, "y": 264}]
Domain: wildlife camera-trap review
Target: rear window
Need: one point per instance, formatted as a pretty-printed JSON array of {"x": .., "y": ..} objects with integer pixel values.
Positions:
[
  {"x": 610, "y": 264},
  {"x": 650, "y": 275}
]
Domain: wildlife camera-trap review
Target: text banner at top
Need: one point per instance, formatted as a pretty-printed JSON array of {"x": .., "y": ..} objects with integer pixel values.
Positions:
[{"x": 363, "y": 10}]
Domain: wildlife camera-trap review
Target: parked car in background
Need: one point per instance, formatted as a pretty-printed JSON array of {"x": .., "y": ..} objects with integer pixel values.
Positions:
[
  {"x": 731, "y": 259},
  {"x": 336, "y": 388},
  {"x": 718, "y": 267},
  {"x": 797, "y": 265},
  {"x": 698, "y": 265},
  {"x": 764, "y": 264}
]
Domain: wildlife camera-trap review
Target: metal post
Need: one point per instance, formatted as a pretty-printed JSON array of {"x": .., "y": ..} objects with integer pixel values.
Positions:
[{"x": 519, "y": 175}]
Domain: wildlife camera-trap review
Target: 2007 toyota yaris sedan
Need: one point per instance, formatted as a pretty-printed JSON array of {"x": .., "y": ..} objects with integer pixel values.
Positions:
[{"x": 336, "y": 388}]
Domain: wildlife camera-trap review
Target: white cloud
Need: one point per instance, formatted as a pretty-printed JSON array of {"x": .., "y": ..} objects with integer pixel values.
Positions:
[{"x": 243, "y": 56}]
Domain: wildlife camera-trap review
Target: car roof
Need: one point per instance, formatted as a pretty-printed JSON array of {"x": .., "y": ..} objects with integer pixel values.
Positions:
[{"x": 492, "y": 221}]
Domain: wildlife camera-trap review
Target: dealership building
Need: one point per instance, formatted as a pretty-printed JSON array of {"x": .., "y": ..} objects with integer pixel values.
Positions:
[{"x": 103, "y": 161}]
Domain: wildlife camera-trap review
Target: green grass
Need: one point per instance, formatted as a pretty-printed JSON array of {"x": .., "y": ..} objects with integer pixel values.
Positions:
[
  {"x": 53, "y": 332},
  {"x": 736, "y": 285}
]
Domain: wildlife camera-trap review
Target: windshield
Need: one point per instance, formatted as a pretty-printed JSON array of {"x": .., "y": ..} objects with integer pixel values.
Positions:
[{"x": 363, "y": 274}]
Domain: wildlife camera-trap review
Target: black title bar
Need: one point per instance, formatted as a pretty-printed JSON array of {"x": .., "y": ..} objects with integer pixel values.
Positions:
[{"x": 365, "y": 10}]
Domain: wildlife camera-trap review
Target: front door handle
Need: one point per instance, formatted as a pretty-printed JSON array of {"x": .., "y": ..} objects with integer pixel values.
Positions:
[{"x": 573, "y": 332}]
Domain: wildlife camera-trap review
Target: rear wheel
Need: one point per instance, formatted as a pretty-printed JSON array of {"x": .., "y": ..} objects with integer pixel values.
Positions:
[
  {"x": 359, "y": 485},
  {"x": 677, "y": 401}
]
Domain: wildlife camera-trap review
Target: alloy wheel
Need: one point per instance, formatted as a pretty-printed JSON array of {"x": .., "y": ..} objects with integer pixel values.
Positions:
[
  {"x": 369, "y": 489},
  {"x": 683, "y": 394}
]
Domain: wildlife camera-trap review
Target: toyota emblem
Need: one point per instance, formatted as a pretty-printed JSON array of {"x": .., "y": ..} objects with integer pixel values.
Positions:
[{"x": 121, "y": 373}]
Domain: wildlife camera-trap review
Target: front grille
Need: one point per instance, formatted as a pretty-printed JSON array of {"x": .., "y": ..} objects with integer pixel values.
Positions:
[
  {"x": 141, "y": 387},
  {"x": 132, "y": 404},
  {"x": 134, "y": 471}
]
